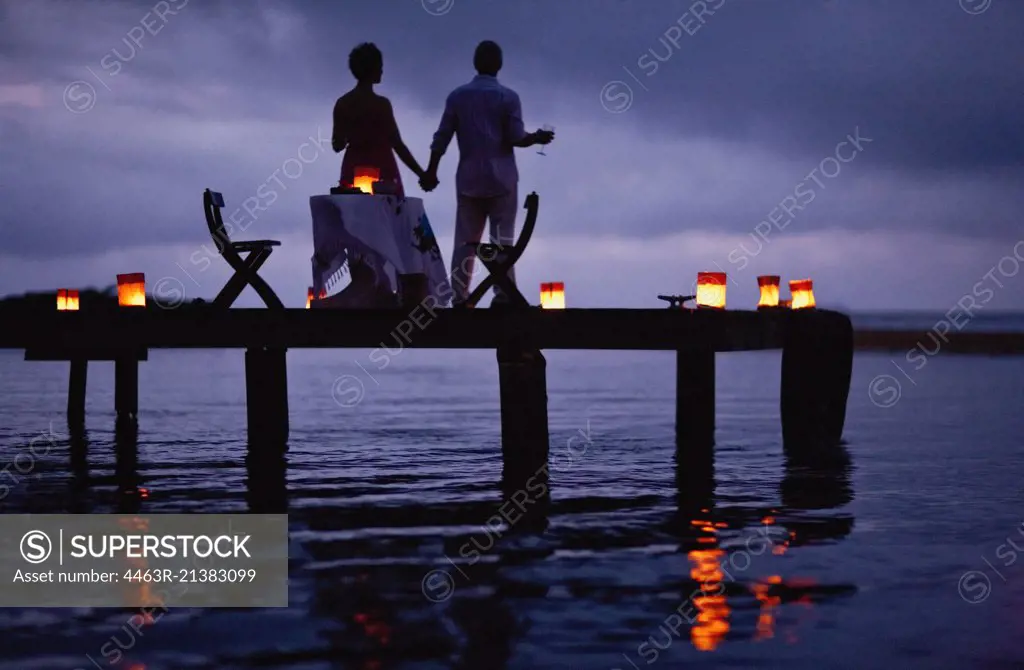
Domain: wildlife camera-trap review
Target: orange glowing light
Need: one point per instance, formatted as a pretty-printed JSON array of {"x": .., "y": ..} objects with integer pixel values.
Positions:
[
  {"x": 711, "y": 289},
  {"x": 802, "y": 291},
  {"x": 712, "y": 624},
  {"x": 62, "y": 299},
  {"x": 131, "y": 290},
  {"x": 309, "y": 297},
  {"x": 72, "y": 303},
  {"x": 766, "y": 617},
  {"x": 769, "y": 285},
  {"x": 785, "y": 303},
  {"x": 552, "y": 295},
  {"x": 364, "y": 178}
]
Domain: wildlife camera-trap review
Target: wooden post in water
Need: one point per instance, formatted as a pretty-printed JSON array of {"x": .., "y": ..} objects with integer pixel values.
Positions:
[
  {"x": 126, "y": 389},
  {"x": 76, "y": 391},
  {"x": 266, "y": 388},
  {"x": 695, "y": 405},
  {"x": 817, "y": 364},
  {"x": 522, "y": 377}
]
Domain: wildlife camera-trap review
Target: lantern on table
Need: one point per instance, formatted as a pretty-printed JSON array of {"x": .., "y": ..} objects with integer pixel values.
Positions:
[
  {"x": 309, "y": 297},
  {"x": 552, "y": 295},
  {"x": 711, "y": 290},
  {"x": 802, "y": 291},
  {"x": 364, "y": 178},
  {"x": 72, "y": 300},
  {"x": 131, "y": 290},
  {"x": 769, "y": 285},
  {"x": 62, "y": 299}
]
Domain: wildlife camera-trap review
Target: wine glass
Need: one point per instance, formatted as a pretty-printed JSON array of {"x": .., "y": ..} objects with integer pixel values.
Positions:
[{"x": 549, "y": 128}]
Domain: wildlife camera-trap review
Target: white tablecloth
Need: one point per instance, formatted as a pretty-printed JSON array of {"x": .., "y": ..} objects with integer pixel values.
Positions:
[{"x": 391, "y": 234}]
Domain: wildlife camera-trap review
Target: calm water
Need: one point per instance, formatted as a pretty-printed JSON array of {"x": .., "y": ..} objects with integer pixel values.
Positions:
[{"x": 839, "y": 566}]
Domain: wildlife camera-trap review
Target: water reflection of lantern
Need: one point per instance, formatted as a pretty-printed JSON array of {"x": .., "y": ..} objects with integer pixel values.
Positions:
[
  {"x": 802, "y": 291},
  {"x": 766, "y": 617},
  {"x": 131, "y": 290},
  {"x": 712, "y": 622},
  {"x": 769, "y": 285},
  {"x": 364, "y": 178},
  {"x": 711, "y": 289},
  {"x": 140, "y": 590},
  {"x": 552, "y": 295},
  {"x": 72, "y": 304},
  {"x": 62, "y": 299}
]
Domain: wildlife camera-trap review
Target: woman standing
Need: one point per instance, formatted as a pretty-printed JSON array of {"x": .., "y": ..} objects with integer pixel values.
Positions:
[{"x": 365, "y": 127}]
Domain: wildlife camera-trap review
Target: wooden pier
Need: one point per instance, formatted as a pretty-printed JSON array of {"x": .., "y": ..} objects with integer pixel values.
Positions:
[{"x": 817, "y": 356}]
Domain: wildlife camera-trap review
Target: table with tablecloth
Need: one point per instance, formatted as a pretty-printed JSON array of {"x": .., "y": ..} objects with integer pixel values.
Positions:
[{"x": 392, "y": 235}]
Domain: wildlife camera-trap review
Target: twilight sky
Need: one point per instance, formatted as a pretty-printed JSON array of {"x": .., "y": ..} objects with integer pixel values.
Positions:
[{"x": 875, "y": 146}]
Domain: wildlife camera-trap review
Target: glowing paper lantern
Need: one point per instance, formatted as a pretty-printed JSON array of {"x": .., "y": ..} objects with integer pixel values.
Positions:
[
  {"x": 62, "y": 299},
  {"x": 364, "y": 178},
  {"x": 769, "y": 285},
  {"x": 131, "y": 290},
  {"x": 72, "y": 303},
  {"x": 711, "y": 289},
  {"x": 552, "y": 295},
  {"x": 802, "y": 291},
  {"x": 309, "y": 297}
]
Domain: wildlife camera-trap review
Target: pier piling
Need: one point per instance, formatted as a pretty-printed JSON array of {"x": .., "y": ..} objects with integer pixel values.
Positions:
[
  {"x": 522, "y": 377},
  {"x": 695, "y": 404},
  {"x": 266, "y": 388},
  {"x": 817, "y": 364},
  {"x": 126, "y": 389},
  {"x": 76, "y": 391}
]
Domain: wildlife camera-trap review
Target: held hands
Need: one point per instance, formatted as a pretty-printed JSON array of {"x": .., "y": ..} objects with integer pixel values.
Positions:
[{"x": 428, "y": 182}]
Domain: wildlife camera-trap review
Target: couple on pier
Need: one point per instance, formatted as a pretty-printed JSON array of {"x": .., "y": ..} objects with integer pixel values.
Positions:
[{"x": 488, "y": 120}]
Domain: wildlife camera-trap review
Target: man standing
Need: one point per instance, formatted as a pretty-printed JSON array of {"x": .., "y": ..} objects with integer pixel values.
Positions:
[{"x": 488, "y": 119}]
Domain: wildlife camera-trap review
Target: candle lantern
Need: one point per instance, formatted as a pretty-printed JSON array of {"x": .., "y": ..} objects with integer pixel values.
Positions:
[
  {"x": 802, "y": 291},
  {"x": 769, "y": 285},
  {"x": 131, "y": 290},
  {"x": 552, "y": 295},
  {"x": 364, "y": 178},
  {"x": 711, "y": 290},
  {"x": 62, "y": 299},
  {"x": 72, "y": 301},
  {"x": 309, "y": 297}
]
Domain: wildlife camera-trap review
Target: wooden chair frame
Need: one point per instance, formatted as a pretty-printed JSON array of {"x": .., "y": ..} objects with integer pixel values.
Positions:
[
  {"x": 246, "y": 268},
  {"x": 499, "y": 259}
]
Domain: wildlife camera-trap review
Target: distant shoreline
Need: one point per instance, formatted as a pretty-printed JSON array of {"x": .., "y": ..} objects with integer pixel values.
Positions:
[{"x": 930, "y": 340}]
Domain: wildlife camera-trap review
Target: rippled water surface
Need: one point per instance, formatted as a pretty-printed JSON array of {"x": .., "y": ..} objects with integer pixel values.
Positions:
[{"x": 856, "y": 561}]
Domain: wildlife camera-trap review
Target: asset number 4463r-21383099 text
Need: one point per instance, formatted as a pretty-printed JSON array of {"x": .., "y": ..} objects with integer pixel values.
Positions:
[{"x": 230, "y": 575}]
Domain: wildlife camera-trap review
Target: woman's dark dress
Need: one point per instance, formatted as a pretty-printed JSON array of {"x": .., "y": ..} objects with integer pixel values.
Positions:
[{"x": 365, "y": 122}]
